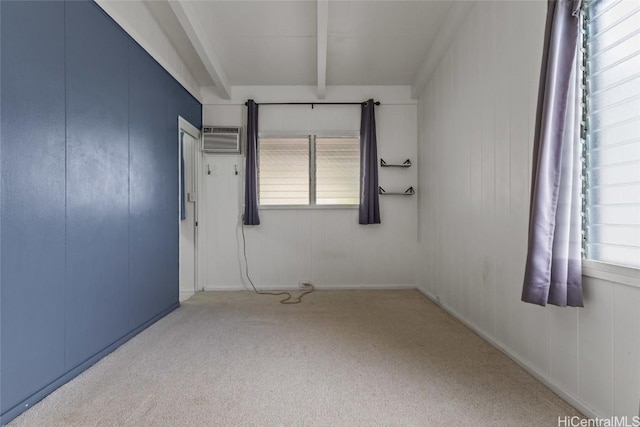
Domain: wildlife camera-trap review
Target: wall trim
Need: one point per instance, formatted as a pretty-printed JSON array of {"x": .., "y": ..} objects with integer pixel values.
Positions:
[
  {"x": 618, "y": 274},
  {"x": 567, "y": 397},
  {"x": 185, "y": 295},
  {"x": 27, "y": 403},
  {"x": 386, "y": 94}
]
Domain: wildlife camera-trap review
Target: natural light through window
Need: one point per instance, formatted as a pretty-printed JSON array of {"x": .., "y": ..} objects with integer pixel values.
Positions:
[
  {"x": 283, "y": 174},
  {"x": 612, "y": 167},
  {"x": 311, "y": 170},
  {"x": 337, "y": 171}
]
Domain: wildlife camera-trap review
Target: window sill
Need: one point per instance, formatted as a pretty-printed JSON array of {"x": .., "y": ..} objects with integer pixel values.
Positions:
[
  {"x": 305, "y": 207},
  {"x": 613, "y": 273}
]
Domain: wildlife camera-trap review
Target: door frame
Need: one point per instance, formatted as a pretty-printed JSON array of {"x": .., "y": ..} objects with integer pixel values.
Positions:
[{"x": 188, "y": 128}]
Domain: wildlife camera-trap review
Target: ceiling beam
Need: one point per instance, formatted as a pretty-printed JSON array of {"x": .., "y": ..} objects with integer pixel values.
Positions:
[
  {"x": 458, "y": 13},
  {"x": 322, "y": 32},
  {"x": 194, "y": 29}
]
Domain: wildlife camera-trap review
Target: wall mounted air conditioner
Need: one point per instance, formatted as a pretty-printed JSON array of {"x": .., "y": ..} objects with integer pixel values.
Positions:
[{"x": 222, "y": 139}]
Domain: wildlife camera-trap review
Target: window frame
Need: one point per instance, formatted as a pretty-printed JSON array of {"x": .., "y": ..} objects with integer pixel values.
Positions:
[
  {"x": 616, "y": 273},
  {"x": 311, "y": 136}
]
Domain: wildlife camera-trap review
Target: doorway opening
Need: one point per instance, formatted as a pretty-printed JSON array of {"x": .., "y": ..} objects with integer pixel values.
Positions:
[{"x": 188, "y": 167}]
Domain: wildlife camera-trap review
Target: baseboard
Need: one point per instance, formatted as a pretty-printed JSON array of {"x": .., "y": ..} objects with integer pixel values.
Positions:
[
  {"x": 567, "y": 397},
  {"x": 18, "y": 409},
  {"x": 185, "y": 295},
  {"x": 327, "y": 287}
]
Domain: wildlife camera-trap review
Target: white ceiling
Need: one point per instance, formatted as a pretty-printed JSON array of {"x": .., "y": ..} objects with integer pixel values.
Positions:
[
  {"x": 263, "y": 42},
  {"x": 369, "y": 42},
  {"x": 380, "y": 42}
]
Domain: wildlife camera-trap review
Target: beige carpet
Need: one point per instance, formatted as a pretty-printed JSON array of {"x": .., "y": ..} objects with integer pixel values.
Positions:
[{"x": 339, "y": 358}]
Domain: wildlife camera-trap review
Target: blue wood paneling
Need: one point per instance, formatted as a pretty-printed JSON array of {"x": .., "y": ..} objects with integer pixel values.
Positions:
[
  {"x": 89, "y": 248},
  {"x": 152, "y": 198},
  {"x": 97, "y": 292},
  {"x": 33, "y": 197},
  {"x": 182, "y": 103}
]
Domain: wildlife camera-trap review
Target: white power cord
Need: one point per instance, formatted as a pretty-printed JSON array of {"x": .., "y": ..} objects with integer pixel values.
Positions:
[{"x": 289, "y": 298}]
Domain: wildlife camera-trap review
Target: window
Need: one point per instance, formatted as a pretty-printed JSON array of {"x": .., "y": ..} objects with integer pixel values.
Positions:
[
  {"x": 310, "y": 170},
  {"x": 612, "y": 137},
  {"x": 337, "y": 171}
]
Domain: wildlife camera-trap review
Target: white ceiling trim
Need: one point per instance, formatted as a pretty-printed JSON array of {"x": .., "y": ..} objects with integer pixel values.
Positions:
[
  {"x": 447, "y": 32},
  {"x": 193, "y": 28},
  {"x": 322, "y": 32},
  {"x": 387, "y": 95}
]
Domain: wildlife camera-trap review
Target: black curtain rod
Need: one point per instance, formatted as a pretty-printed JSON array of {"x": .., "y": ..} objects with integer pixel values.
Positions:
[{"x": 313, "y": 103}]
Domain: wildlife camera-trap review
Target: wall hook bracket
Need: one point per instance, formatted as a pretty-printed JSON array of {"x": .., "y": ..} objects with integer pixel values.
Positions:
[
  {"x": 408, "y": 192},
  {"x": 405, "y": 164}
]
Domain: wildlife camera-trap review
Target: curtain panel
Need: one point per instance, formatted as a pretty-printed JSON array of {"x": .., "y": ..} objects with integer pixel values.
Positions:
[
  {"x": 553, "y": 272},
  {"x": 369, "y": 198},
  {"x": 251, "y": 215}
]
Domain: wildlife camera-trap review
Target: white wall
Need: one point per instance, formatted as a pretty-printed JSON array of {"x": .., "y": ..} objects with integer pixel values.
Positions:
[
  {"x": 136, "y": 19},
  {"x": 325, "y": 246},
  {"x": 476, "y": 119}
]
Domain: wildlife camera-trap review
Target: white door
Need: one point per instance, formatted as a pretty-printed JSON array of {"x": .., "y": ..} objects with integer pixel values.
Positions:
[{"x": 188, "y": 155}]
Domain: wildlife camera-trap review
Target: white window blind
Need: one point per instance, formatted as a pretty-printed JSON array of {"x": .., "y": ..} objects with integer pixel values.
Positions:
[
  {"x": 612, "y": 164},
  {"x": 283, "y": 173},
  {"x": 337, "y": 171},
  {"x": 309, "y": 170}
]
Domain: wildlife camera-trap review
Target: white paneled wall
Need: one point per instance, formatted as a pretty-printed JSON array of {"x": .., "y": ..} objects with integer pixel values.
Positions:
[
  {"x": 476, "y": 119},
  {"x": 325, "y": 246}
]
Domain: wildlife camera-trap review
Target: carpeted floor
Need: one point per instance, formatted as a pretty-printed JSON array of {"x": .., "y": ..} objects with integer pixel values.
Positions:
[{"x": 340, "y": 358}]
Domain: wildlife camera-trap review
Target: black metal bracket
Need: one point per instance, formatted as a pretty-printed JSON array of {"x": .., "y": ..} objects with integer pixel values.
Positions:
[
  {"x": 409, "y": 192},
  {"x": 405, "y": 164}
]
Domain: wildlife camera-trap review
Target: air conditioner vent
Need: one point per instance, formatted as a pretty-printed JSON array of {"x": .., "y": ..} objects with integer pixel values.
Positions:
[{"x": 222, "y": 139}]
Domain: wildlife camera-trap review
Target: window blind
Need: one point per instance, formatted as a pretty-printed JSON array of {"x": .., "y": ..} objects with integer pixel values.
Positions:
[
  {"x": 283, "y": 174},
  {"x": 337, "y": 171},
  {"x": 612, "y": 165}
]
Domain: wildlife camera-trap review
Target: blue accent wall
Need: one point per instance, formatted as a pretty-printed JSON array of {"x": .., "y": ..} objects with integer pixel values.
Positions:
[
  {"x": 97, "y": 83},
  {"x": 153, "y": 190},
  {"x": 89, "y": 193},
  {"x": 33, "y": 198}
]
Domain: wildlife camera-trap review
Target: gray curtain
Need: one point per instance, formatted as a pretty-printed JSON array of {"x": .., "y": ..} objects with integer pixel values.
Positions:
[
  {"x": 369, "y": 202},
  {"x": 553, "y": 270},
  {"x": 251, "y": 216},
  {"x": 183, "y": 207}
]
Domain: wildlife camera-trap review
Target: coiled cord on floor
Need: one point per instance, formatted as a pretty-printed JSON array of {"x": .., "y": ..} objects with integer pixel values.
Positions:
[{"x": 289, "y": 298}]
